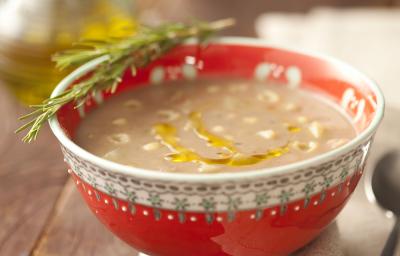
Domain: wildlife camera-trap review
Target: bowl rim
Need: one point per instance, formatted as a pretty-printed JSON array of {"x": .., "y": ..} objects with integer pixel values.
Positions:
[{"x": 228, "y": 176}]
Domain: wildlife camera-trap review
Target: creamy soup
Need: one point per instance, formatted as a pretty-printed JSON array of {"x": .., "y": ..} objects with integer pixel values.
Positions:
[{"x": 210, "y": 126}]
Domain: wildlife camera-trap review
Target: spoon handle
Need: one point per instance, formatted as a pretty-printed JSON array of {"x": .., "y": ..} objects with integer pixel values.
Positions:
[{"x": 391, "y": 243}]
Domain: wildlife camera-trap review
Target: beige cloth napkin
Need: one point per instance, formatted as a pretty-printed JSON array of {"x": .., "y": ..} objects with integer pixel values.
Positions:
[
  {"x": 327, "y": 244},
  {"x": 370, "y": 40}
]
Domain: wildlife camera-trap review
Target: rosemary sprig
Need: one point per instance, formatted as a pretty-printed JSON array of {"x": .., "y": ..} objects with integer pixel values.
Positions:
[{"x": 133, "y": 52}]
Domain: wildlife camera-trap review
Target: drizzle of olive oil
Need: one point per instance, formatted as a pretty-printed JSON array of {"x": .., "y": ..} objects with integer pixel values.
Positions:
[
  {"x": 202, "y": 133},
  {"x": 167, "y": 135}
]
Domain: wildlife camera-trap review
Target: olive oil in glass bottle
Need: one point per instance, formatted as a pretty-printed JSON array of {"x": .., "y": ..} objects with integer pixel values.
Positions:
[{"x": 32, "y": 31}]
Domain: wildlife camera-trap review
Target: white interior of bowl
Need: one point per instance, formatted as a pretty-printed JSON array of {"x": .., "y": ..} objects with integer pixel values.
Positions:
[{"x": 218, "y": 177}]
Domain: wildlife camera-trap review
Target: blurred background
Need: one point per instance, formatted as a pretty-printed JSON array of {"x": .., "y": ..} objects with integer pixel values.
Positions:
[
  {"x": 31, "y": 31},
  {"x": 35, "y": 196}
]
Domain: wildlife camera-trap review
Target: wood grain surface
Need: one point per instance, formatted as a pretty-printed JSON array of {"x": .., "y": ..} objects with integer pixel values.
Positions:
[{"x": 31, "y": 178}]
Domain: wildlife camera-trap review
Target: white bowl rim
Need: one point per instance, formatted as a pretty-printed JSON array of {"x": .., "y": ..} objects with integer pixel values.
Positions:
[{"x": 228, "y": 176}]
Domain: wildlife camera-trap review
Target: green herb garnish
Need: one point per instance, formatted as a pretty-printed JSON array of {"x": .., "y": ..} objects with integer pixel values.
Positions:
[{"x": 146, "y": 45}]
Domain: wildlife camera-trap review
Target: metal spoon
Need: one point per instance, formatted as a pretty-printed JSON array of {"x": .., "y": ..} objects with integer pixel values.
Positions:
[{"x": 385, "y": 184}]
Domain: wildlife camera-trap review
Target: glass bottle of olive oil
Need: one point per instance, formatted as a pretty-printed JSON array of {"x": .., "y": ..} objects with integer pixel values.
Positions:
[{"x": 31, "y": 31}]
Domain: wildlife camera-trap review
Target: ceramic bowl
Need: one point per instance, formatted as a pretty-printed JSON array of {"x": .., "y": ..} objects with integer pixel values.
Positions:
[{"x": 272, "y": 211}]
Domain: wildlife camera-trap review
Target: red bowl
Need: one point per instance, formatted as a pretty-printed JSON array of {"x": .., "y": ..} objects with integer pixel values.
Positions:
[{"x": 272, "y": 211}]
